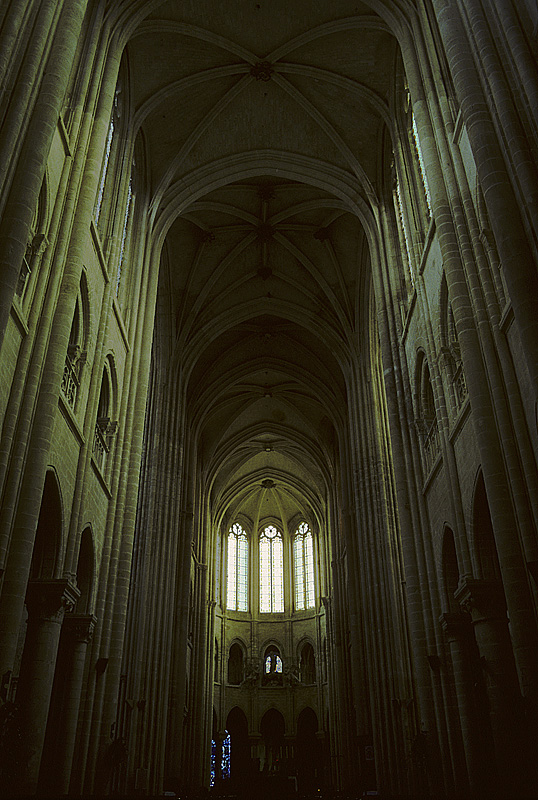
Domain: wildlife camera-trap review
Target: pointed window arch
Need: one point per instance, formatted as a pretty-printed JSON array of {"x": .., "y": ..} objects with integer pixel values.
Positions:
[
  {"x": 237, "y": 572},
  {"x": 426, "y": 418},
  {"x": 273, "y": 667},
  {"x": 105, "y": 428},
  {"x": 303, "y": 558},
  {"x": 271, "y": 570}
]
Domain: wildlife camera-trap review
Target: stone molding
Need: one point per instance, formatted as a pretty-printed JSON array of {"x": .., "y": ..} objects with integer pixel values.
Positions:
[
  {"x": 80, "y": 627},
  {"x": 50, "y": 599}
]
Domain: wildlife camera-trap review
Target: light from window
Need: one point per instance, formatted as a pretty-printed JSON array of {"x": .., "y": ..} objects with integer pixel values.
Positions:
[
  {"x": 104, "y": 169},
  {"x": 421, "y": 165},
  {"x": 303, "y": 551},
  {"x": 226, "y": 756},
  {"x": 212, "y": 772},
  {"x": 237, "y": 578},
  {"x": 271, "y": 571},
  {"x": 402, "y": 231},
  {"x": 273, "y": 663},
  {"x": 124, "y": 233}
]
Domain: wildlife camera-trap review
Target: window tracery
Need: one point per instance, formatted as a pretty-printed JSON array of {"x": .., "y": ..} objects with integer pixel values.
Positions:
[
  {"x": 237, "y": 569},
  {"x": 37, "y": 244},
  {"x": 273, "y": 668},
  {"x": 303, "y": 557},
  {"x": 76, "y": 350},
  {"x": 105, "y": 428},
  {"x": 450, "y": 349},
  {"x": 426, "y": 418},
  {"x": 271, "y": 570}
]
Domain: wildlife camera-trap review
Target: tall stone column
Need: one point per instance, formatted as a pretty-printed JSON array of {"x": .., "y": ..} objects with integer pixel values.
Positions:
[
  {"x": 458, "y": 631},
  {"x": 484, "y": 600},
  {"x": 47, "y": 602},
  {"x": 30, "y": 169},
  {"x": 77, "y": 630}
]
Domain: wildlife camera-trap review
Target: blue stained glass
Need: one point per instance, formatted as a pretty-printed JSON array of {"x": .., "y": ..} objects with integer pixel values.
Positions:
[
  {"x": 226, "y": 755},
  {"x": 278, "y": 667},
  {"x": 213, "y": 762}
]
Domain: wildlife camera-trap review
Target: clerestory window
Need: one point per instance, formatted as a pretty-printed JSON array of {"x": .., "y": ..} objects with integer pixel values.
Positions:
[
  {"x": 271, "y": 571},
  {"x": 303, "y": 557},
  {"x": 237, "y": 573}
]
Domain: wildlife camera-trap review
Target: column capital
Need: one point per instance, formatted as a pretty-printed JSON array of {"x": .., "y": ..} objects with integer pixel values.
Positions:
[
  {"x": 50, "y": 599},
  {"x": 455, "y": 625},
  {"x": 79, "y": 627},
  {"x": 484, "y": 599}
]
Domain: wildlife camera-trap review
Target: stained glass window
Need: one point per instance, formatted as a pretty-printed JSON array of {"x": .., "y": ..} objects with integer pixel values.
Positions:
[
  {"x": 271, "y": 571},
  {"x": 226, "y": 756},
  {"x": 212, "y": 773},
  {"x": 237, "y": 577},
  {"x": 303, "y": 553},
  {"x": 273, "y": 669}
]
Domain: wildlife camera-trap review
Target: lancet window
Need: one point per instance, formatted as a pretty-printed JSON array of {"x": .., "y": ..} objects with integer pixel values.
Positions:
[
  {"x": 105, "y": 428},
  {"x": 237, "y": 569},
  {"x": 271, "y": 570},
  {"x": 303, "y": 557}
]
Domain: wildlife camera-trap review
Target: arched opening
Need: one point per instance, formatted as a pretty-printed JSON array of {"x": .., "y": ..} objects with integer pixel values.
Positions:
[
  {"x": 308, "y": 756},
  {"x": 272, "y": 729},
  {"x": 104, "y": 427},
  {"x": 49, "y": 531},
  {"x": 307, "y": 664},
  {"x": 85, "y": 572},
  {"x": 235, "y": 665},
  {"x": 484, "y": 539},
  {"x": 451, "y": 573},
  {"x": 273, "y": 667},
  {"x": 237, "y": 727}
]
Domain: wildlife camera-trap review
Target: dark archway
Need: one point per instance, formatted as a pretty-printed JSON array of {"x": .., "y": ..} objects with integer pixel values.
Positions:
[
  {"x": 85, "y": 572},
  {"x": 484, "y": 539},
  {"x": 49, "y": 531},
  {"x": 308, "y": 755},
  {"x": 307, "y": 664},
  {"x": 451, "y": 575},
  {"x": 240, "y": 766},
  {"x": 272, "y": 729},
  {"x": 235, "y": 665}
]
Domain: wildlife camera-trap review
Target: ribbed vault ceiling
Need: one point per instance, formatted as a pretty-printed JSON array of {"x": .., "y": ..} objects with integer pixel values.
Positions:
[{"x": 250, "y": 112}]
